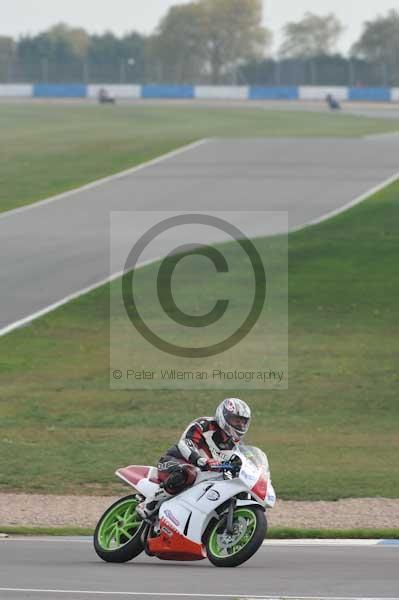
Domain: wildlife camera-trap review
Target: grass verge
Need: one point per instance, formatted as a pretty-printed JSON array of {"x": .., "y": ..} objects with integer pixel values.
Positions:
[
  {"x": 332, "y": 434},
  {"x": 279, "y": 533},
  {"x": 358, "y": 534},
  {"x": 58, "y": 147},
  {"x": 53, "y": 531}
]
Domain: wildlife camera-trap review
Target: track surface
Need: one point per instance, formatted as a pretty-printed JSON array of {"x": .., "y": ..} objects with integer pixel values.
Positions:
[
  {"x": 374, "y": 110},
  {"x": 53, "y": 250},
  {"x": 343, "y": 571}
]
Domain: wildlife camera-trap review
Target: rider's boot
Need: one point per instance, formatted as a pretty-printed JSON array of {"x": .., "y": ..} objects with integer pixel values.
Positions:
[{"x": 149, "y": 507}]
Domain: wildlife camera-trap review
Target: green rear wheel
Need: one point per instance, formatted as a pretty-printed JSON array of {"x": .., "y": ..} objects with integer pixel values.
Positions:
[
  {"x": 232, "y": 549},
  {"x": 117, "y": 537}
]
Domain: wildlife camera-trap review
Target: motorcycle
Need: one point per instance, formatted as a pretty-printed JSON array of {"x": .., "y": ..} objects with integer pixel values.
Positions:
[
  {"x": 221, "y": 517},
  {"x": 332, "y": 102}
]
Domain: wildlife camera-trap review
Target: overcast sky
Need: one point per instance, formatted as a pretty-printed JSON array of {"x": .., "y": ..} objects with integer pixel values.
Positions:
[{"x": 31, "y": 16}]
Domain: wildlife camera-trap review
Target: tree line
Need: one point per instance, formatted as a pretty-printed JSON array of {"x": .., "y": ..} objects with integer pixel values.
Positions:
[{"x": 215, "y": 41}]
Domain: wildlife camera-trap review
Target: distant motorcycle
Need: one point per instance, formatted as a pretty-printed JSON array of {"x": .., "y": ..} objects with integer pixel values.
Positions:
[
  {"x": 104, "y": 97},
  {"x": 332, "y": 102},
  {"x": 222, "y": 517}
]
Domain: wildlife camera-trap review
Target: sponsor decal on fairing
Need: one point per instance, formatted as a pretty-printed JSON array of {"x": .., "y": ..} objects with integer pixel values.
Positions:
[
  {"x": 213, "y": 495},
  {"x": 168, "y": 513}
]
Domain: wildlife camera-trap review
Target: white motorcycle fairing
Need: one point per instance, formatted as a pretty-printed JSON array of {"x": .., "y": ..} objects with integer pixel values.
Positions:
[{"x": 184, "y": 518}]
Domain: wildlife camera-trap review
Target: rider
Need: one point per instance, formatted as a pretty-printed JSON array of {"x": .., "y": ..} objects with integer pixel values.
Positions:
[{"x": 206, "y": 442}]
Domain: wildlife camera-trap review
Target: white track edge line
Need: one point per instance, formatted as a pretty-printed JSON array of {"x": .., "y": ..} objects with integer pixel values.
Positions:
[
  {"x": 44, "y": 311},
  {"x": 33, "y": 316},
  {"x": 107, "y": 179},
  {"x": 323, "y": 542},
  {"x": 382, "y": 136},
  {"x": 267, "y": 543},
  {"x": 74, "y": 295},
  {"x": 350, "y": 204},
  {"x": 188, "y": 595}
]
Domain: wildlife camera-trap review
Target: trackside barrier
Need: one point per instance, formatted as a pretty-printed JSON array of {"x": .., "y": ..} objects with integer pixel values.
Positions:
[
  {"x": 395, "y": 94},
  {"x": 203, "y": 92},
  {"x": 273, "y": 93},
  {"x": 116, "y": 90},
  {"x": 309, "y": 92},
  {"x": 370, "y": 94},
  {"x": 16, "y": 90},
  {"x": 59, "y": 90},
  {"x": 221, "y": 92},
  {"x": 167, "y": 91}
]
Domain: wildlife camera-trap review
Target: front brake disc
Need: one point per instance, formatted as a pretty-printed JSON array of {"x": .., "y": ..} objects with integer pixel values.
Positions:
[{"x": 227, "y": 540}]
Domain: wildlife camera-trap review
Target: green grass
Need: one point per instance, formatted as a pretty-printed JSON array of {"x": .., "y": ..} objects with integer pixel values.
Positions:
[
  {"x": 274, "y": 533},
  {"x": 47, "y": 149},
  {"x": 53, "y": 531},
  {"x": 332, "y": 434},
  {"x": 359, "y": 534}
]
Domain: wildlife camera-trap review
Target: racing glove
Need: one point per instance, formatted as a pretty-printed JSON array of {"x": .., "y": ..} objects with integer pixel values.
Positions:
[{"x": 206, "y": 464}]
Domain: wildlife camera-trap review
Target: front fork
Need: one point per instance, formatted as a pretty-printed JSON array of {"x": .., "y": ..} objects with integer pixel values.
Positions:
[{"x": 230, "y": 515}]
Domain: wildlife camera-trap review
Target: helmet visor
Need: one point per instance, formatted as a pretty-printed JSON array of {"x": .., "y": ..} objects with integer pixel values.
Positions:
[{"x": 237, "y": 422}]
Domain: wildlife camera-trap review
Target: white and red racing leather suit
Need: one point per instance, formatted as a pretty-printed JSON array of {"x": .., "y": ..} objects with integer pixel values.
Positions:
[{"x": 202, "y": 439}]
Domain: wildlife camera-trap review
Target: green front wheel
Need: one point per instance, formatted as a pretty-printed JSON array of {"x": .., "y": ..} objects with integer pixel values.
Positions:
[
  {"x": 117, "y": 537},
  {"x": 232, "y": 549}
]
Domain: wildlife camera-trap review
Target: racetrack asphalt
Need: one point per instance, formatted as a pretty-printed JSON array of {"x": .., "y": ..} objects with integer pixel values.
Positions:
[
  {"x": 53, "y": 250},
  {"x": 373, "y": 110},
  {"x": 343, "y": 571}
]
